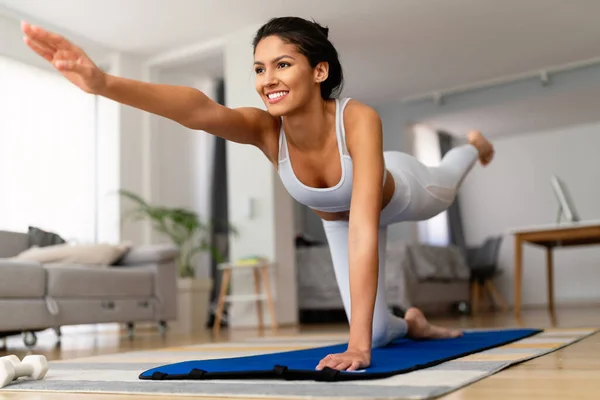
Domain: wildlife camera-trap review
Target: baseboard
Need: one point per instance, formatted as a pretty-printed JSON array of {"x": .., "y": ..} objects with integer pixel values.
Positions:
[{"x": 569, "y": 303}]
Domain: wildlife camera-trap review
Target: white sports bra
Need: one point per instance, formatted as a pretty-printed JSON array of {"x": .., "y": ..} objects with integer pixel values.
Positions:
[{"x": 331, "y": 199}]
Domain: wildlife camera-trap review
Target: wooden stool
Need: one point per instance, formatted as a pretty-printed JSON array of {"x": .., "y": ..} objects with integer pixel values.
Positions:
[{"x": 260, "y": 268}]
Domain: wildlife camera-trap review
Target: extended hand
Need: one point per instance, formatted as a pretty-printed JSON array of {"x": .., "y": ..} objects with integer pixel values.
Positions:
[
  {"x": 350, "y": 360},
  {"x": 68, "y": 59}
]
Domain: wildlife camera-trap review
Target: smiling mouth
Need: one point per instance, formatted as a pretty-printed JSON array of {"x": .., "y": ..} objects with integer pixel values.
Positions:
[{"x": 277, "y": 96}]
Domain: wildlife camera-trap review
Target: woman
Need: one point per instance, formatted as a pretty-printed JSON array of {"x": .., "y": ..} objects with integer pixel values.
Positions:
[{"x": 329, "y": 155}]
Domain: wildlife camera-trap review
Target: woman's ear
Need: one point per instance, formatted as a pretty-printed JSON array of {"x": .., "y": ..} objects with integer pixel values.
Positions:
[{"x": 321, "y": 71}]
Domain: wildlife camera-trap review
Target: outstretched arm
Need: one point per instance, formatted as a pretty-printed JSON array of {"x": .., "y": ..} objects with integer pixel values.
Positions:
[
  {"x": 184, "y": 105},
  {"x": 364, "y": 138}
]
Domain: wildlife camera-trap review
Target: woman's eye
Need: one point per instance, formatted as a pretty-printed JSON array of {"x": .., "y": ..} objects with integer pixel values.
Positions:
[
  {"x": 283, "y": 64},
  {"x": 258, "y": 70}
]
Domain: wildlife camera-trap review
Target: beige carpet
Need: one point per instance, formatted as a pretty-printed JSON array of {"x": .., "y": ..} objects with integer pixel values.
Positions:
[{"x": 119, "y": 373}]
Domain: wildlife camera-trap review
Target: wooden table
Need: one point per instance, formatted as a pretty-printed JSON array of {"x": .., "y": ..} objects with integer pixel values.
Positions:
[{"x": 549, "y": 237}]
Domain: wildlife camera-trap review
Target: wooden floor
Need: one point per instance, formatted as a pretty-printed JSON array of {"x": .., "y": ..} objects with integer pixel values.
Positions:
[{"x": 570, "y": 373}]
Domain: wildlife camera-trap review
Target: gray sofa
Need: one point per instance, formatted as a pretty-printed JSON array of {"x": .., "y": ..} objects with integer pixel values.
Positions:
[
  {"x": 141, "y": 287},
  {"x": 429, "y": 277}
]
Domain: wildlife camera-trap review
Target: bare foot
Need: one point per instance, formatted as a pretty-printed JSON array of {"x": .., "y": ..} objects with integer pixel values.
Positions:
[
  {"x": 420, "y": 328},
  {"x": 485, "y": 148}
]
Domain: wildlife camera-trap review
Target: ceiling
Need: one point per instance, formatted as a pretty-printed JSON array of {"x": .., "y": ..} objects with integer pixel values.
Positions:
[
  {"x": 390, "y": 49},
  {"x": 533, "y": 114}
]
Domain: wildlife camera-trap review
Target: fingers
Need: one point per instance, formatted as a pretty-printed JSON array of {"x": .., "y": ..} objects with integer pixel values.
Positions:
[
  {"x": 64, "y": 60},
  {"x": 324, "y": 362},
  {"x": 45, "y": 38},
  {"x": 66, "y": 55},
  {"x": 41, "y": 50},
  {"x": 35, "y": 35},
  {"x": 343, "y": 365},
  {"x": 329, "y": 361},
  {"x": 70, "y": 66},
  {"x": 354, "y": 366},
  {"x": 338, "y": 362}
]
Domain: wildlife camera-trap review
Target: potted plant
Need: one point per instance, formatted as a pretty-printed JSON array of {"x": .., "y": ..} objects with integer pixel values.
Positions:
[{"x": 188, "y": 232}]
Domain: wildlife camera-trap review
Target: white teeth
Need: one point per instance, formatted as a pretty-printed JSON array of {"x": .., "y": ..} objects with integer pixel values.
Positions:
[{"x": 277, "y": 95}]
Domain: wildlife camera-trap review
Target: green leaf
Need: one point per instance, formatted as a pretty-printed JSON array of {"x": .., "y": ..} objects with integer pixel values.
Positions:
[{"x": 185, "y": 228}]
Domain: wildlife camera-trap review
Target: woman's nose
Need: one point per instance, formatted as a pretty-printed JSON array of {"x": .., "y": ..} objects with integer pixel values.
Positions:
[{"x": 270, "y": 78}]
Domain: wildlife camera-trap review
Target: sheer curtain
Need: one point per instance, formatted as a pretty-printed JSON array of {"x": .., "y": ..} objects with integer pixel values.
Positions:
[{"x": 47, "y": 153}]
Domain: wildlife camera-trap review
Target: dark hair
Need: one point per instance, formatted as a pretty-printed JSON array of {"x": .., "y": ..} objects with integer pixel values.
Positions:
[{"x": 312, "y": 41}]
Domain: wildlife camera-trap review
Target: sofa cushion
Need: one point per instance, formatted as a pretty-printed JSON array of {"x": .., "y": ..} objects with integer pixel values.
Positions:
[
  {"x": 89, "y": 254},
  {"x": 88, "y": 281},
  {"x": 21, "y": 279}
]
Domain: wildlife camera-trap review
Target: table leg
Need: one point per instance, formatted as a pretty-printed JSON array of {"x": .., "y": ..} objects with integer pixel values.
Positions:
[
  {"x": 550, "y": 274},
  {"x": 222, "y": 294},
  {"x": 518, "y": 274},
  {"x": 258, "y": 292},
  {"x": 270, "y": 303}
]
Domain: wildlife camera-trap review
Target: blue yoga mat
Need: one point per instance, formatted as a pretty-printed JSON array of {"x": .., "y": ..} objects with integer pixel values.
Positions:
[{"x": 400, "y": 356}]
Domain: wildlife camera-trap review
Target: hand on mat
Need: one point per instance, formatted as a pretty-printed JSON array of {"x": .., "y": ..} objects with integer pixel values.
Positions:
[
  {"x": 67, "y": 58},
  {"x": 350, "y": 360}
]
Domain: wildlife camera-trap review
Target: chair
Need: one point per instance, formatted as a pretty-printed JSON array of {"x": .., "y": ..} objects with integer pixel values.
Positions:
[{"x": 483, "y": 263}]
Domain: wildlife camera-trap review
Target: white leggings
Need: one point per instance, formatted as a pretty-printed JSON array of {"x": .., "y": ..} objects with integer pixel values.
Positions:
[{"x": 421, "y": 193}]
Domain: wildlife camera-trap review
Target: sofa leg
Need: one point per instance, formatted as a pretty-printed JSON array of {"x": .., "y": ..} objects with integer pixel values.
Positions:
[
  {"x": 29, "y": 338},
  {"x": 58, "y": 331},
  {"x": 162, "y": 328},
  {"x": 130, "y": 330},
  {"x": 3, "y": 344}
]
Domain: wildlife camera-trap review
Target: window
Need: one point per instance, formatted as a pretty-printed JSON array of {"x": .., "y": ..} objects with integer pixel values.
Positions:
[{"x": 47, "y": 153}]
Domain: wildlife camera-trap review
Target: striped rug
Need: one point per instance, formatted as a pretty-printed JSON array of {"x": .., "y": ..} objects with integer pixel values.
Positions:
[{"x": 118, "y": 373}]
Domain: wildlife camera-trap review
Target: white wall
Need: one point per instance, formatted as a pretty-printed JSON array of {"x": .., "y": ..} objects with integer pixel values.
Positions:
[
  {"x": 269, "y": 231},
  {"x": 514, "y": 191}
]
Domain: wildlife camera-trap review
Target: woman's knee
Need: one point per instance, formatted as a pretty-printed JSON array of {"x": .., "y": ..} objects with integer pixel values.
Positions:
[
  {"x": 379, "y": 338},
  {"x": 386, "y": 329}
]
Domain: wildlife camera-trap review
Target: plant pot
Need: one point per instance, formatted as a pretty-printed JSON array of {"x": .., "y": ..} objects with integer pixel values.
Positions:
[{"x": 193, "y": 302}]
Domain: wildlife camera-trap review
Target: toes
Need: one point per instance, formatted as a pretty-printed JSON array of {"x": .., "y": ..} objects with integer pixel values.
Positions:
[
  {"x": 455, "y": 333},
  {"x": 437, "y": 332}
]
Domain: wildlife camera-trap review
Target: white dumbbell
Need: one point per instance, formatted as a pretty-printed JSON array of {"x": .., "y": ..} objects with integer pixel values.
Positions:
[{"x": 12, "y": 368}]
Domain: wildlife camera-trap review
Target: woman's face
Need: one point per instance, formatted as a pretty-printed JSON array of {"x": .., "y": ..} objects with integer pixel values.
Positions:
[{"x": 284, "y": 78}]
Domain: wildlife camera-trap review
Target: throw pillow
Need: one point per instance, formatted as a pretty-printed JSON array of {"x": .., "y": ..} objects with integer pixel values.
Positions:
[
  {"x": 41, "y": 238},
  {"x": 89, "y": 254}
]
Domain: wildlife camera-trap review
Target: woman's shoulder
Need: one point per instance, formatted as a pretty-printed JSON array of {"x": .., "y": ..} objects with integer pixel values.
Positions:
[
  {"x": 357, "y": 114},
  {"x": 363, "y": 131}
]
